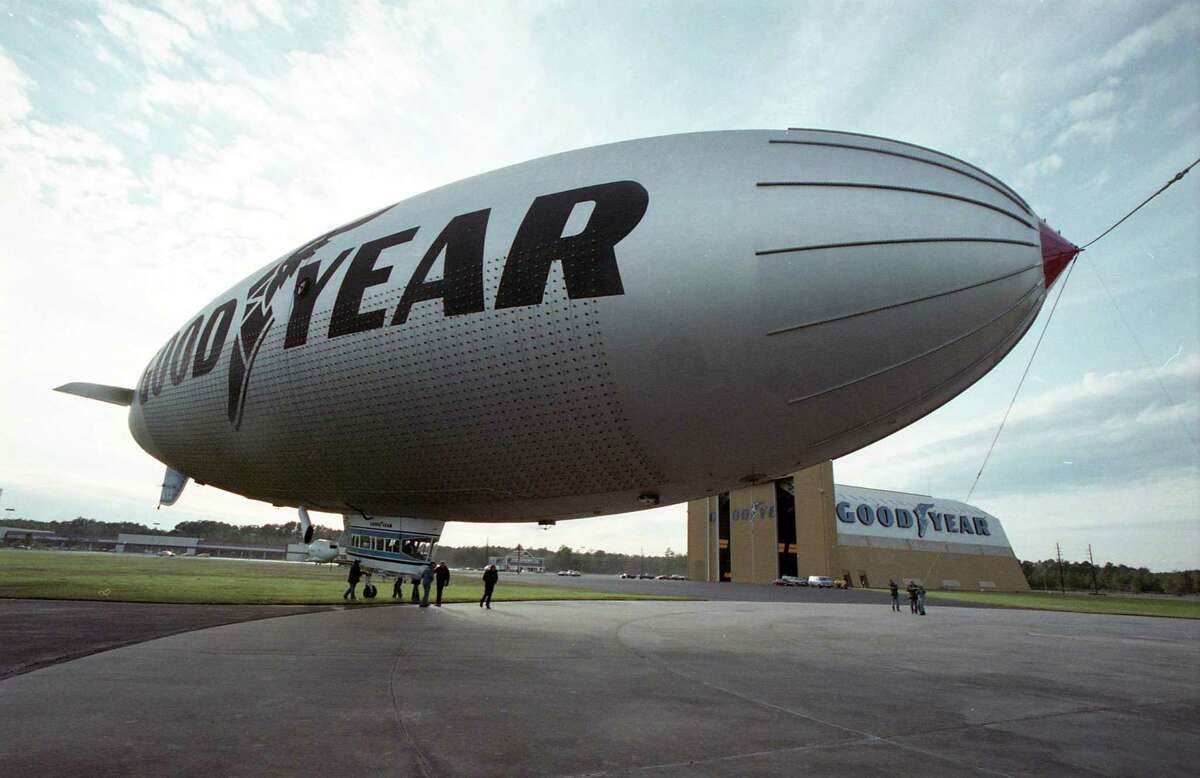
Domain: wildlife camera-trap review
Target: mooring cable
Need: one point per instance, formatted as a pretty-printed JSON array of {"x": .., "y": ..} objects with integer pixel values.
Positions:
[{"x": 1177, "y": 177}]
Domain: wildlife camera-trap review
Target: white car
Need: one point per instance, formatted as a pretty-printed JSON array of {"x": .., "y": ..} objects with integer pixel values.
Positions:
[{"x": 820, "y": 581}]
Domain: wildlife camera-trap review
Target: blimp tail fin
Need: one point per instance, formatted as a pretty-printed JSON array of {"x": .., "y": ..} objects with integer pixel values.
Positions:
[
  {"x": 117, "y": 395},
  {"x": 172, "y": 487}
]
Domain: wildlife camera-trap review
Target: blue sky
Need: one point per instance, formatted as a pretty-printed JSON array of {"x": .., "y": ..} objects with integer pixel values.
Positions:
[{"x": 150, "y": 155}]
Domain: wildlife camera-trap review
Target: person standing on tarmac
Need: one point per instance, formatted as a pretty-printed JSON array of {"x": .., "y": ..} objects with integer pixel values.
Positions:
[
  {"x": 490, "y": 577},
  {"x": 921, "y": 600},
  {"x": 426, "y": 584},
  {"x": 416, "y": 592},
  {"x": 441, "y": 574},
  {"x": 912, "y": 597},
  {"x": 352, "y": 579},
  {"x": 895, "y": 596}
]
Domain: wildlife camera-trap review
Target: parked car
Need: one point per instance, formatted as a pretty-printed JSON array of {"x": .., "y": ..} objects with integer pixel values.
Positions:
[
  {"x": 646, "y": 576},
  {"x": 821, "y": 581},
  {"x": 626, "y": 575},
  {"x": 791, "y": 580},
  {"x": 571, "y": 573}
]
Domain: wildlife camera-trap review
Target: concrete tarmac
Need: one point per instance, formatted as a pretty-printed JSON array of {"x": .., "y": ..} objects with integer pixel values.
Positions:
[
  {"x": 616, "y": 688},
  {"x": 37, "y": 633}
]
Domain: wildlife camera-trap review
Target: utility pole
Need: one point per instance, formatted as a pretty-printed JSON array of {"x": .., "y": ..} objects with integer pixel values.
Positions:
[
  {"x": 1062, "y": 584},
  {"x": 1092, "y": 561}
]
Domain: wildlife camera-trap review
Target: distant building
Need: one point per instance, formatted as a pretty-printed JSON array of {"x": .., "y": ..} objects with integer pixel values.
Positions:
[
  {"x": 522, "y": 563},
  {"x": 152, "y": 544},
  {"x": 805, "y": 524},
  {"x": 19, "y": 536}
]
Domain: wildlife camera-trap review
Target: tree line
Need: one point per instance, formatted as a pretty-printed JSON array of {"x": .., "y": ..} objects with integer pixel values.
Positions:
[
  {"x": 1080, "y": 576},
  {"x": 564, "y": 558},
  {"x": 1075, "y": 576},
  {"x": 212, "y": 531}
]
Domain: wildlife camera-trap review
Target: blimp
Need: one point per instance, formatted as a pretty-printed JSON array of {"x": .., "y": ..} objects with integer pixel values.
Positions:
[{"x": 596, "y": 332}]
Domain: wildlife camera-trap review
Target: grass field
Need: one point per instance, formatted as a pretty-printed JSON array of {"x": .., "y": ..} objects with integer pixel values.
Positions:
[
  {"x": 1080, "y": 603},
  {"x": 140, "y": 578}
]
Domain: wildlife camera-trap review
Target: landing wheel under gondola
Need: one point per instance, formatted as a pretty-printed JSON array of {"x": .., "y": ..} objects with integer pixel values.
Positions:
[{"x": 369, "y": 591}]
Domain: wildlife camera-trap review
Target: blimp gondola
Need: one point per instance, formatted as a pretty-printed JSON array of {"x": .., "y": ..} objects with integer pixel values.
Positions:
[{"x": 597, "y": 332}]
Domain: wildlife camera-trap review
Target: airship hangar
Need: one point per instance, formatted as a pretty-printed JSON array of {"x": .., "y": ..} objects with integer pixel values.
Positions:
[{"x": 804, "y": 524}]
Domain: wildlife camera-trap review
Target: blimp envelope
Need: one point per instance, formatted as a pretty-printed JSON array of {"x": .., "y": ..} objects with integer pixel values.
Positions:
[{"x": 602, "y": 330}]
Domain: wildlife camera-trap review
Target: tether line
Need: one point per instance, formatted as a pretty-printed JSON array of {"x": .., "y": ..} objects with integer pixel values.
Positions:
[
  {"x": 1021, "y": 383},
  {"x": 1177, "y": 177}
]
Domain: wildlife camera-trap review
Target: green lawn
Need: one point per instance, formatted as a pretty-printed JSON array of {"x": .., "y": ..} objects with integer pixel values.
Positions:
[
  {"x": 1177, "y": 607},
  {"x": 140, "y": 578}
]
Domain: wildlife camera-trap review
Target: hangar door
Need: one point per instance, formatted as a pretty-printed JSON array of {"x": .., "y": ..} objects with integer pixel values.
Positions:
[{"x": 785, "y": 525}]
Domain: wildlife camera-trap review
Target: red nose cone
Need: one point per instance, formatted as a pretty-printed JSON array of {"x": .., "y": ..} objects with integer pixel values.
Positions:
[{"x": 1056, "y": 253}]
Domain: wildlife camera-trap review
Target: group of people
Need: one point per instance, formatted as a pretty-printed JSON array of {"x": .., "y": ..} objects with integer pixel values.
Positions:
[
  {"x": 916, "y": 597},
  {"x": 434, "y": 575}
]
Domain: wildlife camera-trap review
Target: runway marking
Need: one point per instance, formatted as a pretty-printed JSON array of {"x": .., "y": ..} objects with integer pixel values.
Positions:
[
  {"x": 422, "y": 762},
  {"x": 726, "y": 758},
  {"x": 1104, "y": 639},
  {"x": 867, "y": 736},
  {"x": 1080, "y": 711}
]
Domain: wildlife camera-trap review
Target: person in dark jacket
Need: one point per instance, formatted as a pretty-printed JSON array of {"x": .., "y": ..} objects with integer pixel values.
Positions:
[
  {"x": 426, "y": 584},
  {"x": 416, "y": 592},
  {"x": 398, "y": 588},
  {"x": 352, "y": 578},
  {"x": 921, "y": 600},
  {"x": 490, "y": 577},
  {"x": 912, "y": 597},
  {"x": 441, "y": 575},
  {"x": 895, "y": 595}
]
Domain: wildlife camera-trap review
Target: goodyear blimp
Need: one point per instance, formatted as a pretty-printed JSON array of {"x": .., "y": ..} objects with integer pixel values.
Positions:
[{"x": 596, "y": 332}]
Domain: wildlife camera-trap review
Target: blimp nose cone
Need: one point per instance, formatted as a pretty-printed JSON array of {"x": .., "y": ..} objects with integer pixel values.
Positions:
[{"x": 1057, "y": 252}]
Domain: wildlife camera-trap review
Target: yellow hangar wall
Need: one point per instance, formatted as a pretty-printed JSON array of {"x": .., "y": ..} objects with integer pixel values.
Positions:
[{"x": 750, "y": 518}]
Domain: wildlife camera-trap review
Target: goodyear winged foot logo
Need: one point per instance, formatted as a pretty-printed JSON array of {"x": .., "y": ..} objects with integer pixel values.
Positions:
[
  {"x": 587, "y": 257},
  {"x": 259, "y": 316}
]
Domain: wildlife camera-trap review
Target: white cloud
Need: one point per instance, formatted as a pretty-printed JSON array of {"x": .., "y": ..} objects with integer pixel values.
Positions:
[
  {"x": 156, "y": 37},
  {"x": 1180, "y": 22},
  {"x": 1081, "y": 421},
  {"x": 1092, "y": 103},
  {"x": 1149, "y": 522},
  {"x": 1039, "y": 168},
  {"x": 1101, "y": 131},
  {"x": 14, "y": 91},
  {"x": 134, "y": 129}
]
